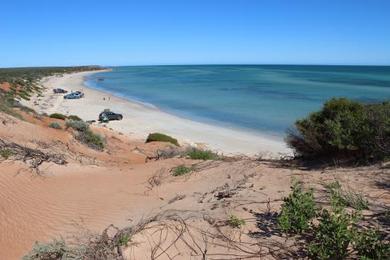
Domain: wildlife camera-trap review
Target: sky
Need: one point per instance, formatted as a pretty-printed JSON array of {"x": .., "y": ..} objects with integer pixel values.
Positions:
[{"x": 114, "y": 32}]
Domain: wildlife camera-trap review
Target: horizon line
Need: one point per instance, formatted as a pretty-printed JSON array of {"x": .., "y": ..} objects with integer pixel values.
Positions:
[{"x": 206, "y": 64}]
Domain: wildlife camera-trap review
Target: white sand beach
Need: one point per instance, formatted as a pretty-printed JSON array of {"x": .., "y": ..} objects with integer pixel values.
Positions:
[{"x": 139, "y": 119}]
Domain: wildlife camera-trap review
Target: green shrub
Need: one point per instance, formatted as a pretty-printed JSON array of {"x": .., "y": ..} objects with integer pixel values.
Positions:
[
  {"x": 158, "y": 137},
  {"x": 55, "y": 125},
  {"x": 235, "y": 222},
  {"x": 77, "y": 125},
  {"x": 370, "y": 244},
  {"x": 344, "y": 130},
  {"x": 6, "y": 153},
  {"x": 332, "y": 236},
  {"x": 74, "y": 118},
  {"x": 181, "y": 170},
  {"x": 197, "y": 154},
  {"x": 334, "y": 232},
  {"x": 298, "y": 210},
  {"x": 58, "y": 116},
  {"x": 54, "y": 250},
  {"x": 124, "y": 240},
  {"x": 91, "y": 139}
]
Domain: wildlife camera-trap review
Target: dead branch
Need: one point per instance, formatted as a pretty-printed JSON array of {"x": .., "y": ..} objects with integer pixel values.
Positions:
[{"x": 33, "y": 157}]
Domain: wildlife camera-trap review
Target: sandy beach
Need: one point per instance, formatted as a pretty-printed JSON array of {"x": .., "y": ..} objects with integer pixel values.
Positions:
[{"x": 141, "y": 119}]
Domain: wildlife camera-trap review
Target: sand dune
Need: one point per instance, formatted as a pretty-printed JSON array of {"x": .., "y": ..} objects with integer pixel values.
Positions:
[{"x": 119, "y": 186}]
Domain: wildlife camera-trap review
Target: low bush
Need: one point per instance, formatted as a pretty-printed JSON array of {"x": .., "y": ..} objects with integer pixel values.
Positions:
[
  {"x": 370, "y": 244},
  {"x": 124, "y": 240},
  {"x": 74, "y": 118},
  {"x": 54, "y": 250},
  {"x": 6, "y": 153},
  {"x": 333, "y": 235},
  {"x": 181, "y": 170},
  {"x": 85, "y": 135},
  {"x": 58, "y": 116},
  {"x": 335, "y": 232},
  {"x": 298, "y": 209},
  {"x": 198, "y": 154},
  {"x": 158, "y": 137},
  {"x": 344, "y": 130},
  {"x": 91, "y": 139},
  {"x": 55, "y": 125},
  {"x": 235, "y": 222},
  {"x": 77, "y": 125}
]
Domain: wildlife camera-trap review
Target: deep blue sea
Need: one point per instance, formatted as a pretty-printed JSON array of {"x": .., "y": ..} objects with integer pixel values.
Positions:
[{"x": 263, "y": 98}]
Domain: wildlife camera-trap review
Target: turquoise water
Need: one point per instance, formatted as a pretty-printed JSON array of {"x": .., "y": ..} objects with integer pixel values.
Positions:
[{"x": 263, "y": 98}]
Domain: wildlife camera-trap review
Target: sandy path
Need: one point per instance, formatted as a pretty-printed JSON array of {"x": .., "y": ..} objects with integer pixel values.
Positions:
[{"x": 140, "y": 120}]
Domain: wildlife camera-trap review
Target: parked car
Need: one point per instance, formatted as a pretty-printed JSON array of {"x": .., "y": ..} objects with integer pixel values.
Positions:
[
  {"x": 108, "y": 115},
  {"x": 74, "y": 95},
  {"x": 59, "y": 91}
]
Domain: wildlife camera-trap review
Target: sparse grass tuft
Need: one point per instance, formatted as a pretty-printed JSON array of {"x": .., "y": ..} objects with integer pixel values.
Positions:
[
  {"x": 235, "y": 222},
  {"x": 346, "y": 198},
  {"x": 181, "y": 170},
  {"x": 198, "y": 154},
  {"x": 124, "y": 240},
  {"x": 6, "y": 153},
  {"x": 158, "y": 137}
]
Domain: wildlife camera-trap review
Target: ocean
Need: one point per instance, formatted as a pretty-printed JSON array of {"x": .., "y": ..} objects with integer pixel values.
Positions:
[{"x": 261, "y": 98}]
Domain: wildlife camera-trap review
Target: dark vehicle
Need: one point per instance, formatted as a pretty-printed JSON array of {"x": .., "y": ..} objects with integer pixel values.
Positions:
[
  {"x": 74, "y": 95},
  {"x": 59, "y": 91},
  {"x": 107, "y": 115}
]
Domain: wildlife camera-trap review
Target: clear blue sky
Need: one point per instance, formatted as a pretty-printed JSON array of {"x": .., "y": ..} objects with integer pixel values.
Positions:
[{"x": 113, "y": 32}]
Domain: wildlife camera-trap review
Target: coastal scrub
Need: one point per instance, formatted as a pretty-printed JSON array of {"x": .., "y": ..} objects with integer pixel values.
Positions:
[
  {"x": 344, "y": 131},
  {"x": 158, "y": 137}
]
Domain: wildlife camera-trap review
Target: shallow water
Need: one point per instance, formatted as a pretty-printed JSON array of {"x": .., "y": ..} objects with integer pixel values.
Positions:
[{"x": 264, "y": 98}]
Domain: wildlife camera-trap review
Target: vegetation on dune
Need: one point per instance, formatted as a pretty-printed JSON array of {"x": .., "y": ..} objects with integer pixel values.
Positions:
[
  {"x": 85, "y": 135},
  {"x": 198, "y": 154},
  {"x": 181, "y": 170},
  {"x": 58, "y": 116},
  {"x": 92, "y": 139},
  {"x": 235, "y": 222},
  {"x": 74, "y": 118},
  {"x": 6, "y": 153},
  {"x": 346, "y": 198},
  {"x": 344, "y": 130},
  {"x": 21, "y": 83},
  {"x": 333, "y": 232},
  {"x": 57, "y": 249},
  {"x": 298, "y": 210},
  {"x": 25, "y": 81},
  {"x": 77, "y": 125},
  {"x": 158, "y": 137},
  {"x": 55, "y": 125}
]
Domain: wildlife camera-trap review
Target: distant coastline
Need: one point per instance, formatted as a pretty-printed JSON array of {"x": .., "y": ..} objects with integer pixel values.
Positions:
[
  {"x": 140, "y": 119},
  {"x": 265, "y": 99}
]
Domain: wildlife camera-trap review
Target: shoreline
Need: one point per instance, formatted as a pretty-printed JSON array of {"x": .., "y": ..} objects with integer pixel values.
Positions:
[{"x": 141, "y": 119}]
